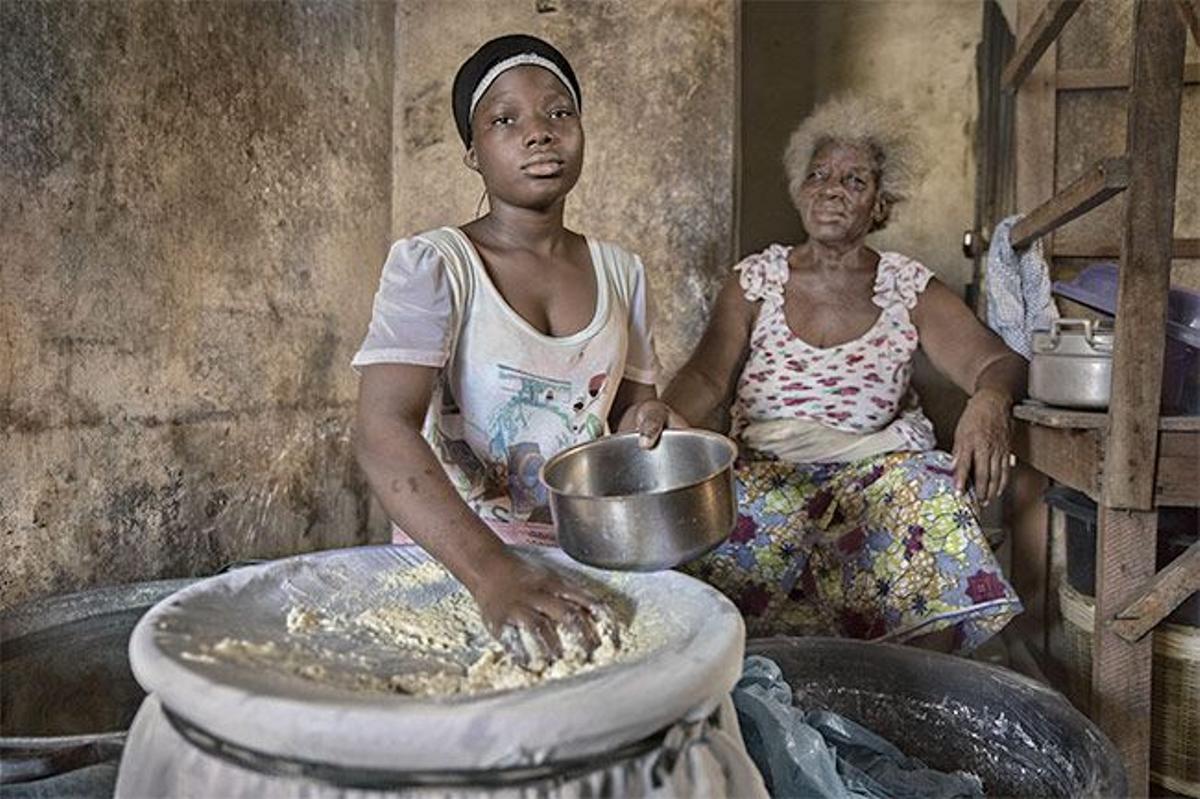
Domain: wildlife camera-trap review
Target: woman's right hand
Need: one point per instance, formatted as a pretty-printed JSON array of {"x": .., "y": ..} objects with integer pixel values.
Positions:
[{"x": 525, "y": 606}]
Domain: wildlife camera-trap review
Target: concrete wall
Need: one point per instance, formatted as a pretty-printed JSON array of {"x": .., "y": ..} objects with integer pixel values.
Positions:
[
  {"x": 797, "y": 53},
  {"x": 194, "y": 202},
  {"x": 658, "y": 79}
]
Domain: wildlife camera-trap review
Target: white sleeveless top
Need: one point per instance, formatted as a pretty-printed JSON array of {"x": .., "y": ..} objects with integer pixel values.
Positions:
[
  {"x": 509, "y": 397},
  {"x": 859, "y": 387}
]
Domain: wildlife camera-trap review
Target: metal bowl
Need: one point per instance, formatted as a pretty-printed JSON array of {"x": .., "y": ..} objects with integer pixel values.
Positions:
[{"x": 618, "y": 506}]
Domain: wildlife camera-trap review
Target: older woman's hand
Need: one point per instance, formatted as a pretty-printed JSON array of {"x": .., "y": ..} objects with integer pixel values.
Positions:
[
  {"x": 649, "y": 418},
  {"x": 981, "y": 444}
]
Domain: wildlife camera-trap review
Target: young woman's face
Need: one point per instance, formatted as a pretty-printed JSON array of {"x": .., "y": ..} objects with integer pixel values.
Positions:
[
  {"x": 526, "y": 139},
  {"x": 840, "y": 193}
]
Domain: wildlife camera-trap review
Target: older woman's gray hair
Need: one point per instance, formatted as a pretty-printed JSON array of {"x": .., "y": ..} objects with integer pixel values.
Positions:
[{"x": 878, "y": 126}]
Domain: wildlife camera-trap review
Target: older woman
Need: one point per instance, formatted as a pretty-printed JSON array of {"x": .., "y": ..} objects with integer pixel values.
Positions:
[{"x": 850, "y": 522}]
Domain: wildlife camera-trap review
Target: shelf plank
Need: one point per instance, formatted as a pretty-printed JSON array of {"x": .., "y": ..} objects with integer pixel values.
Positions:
[
  {"x": 1037, "y": 40},
  {"x": 1104, "y": 179},
  {"x": 1180, "y": 248},
  {"x": 1069, "y": 446},
  {"x": 1069, "y": 418},
  {"x": 1175, "y": 481},
  {"x": 1179, "y": 580},
  {"x": 1075, "y": 80},
  {"x": 1071, "y": 456}
]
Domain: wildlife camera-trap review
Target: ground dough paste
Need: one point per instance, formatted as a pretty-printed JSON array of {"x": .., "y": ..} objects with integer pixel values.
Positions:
[{"x": 440, "y": 648}]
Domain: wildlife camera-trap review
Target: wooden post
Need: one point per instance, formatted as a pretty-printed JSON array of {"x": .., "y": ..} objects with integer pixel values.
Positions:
[
  {"x": 1125, "y": 545},
  {"x": 1155, "y": 101},
  {"x": 1037, "y": 103},
  {"x": 1028, "y": 517},
  {"x": 1121, "y": 700}
]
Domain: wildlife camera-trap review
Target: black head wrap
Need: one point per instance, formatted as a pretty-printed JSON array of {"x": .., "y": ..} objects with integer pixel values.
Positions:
[{"x": 479, "y": 67}]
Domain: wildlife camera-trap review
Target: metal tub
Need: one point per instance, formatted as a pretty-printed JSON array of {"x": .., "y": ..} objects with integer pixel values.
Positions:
[{"x": 68, "y": 696}]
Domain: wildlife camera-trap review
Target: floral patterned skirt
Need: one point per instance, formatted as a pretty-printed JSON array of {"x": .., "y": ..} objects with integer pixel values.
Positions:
[{"x": 884, "y": 549}]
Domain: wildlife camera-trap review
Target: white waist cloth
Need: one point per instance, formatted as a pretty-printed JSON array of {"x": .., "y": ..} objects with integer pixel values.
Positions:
[{"x": 805, "y": 441}]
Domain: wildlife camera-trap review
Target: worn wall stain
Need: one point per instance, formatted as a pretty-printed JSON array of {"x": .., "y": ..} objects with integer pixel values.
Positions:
[{"x": 193, "y": 211}]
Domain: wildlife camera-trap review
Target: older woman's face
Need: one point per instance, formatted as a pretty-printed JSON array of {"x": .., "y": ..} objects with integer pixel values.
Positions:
[{"x": 838, "y": 198}]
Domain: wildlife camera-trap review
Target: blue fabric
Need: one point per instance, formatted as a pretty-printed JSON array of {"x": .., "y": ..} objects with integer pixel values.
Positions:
[
  {"x": 1018, "y": 290},
  {"x": 821, "y": 754}
]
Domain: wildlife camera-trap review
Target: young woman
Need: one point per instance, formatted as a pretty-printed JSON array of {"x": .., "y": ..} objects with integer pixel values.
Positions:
[{"x": 496, "y": 344}]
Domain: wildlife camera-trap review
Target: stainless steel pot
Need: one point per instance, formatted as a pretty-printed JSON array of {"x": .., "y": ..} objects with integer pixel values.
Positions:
[
  {"x": 618, "y": 506},
  {"x": 1072, "y": 364}
]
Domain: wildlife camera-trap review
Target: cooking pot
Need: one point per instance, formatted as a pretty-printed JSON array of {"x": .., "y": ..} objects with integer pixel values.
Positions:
[
  {"x": 618, "y": 506},
  {"x": 1072, "y": 364}
]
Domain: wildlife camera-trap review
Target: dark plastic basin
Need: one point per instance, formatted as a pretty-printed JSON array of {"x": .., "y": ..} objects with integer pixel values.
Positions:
[{"x": 1021, "y": 738}]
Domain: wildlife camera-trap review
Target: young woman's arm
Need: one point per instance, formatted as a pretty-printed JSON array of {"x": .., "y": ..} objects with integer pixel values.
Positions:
[
  {"x": 977, "y": 360},
  {"x": 413, "y": 488}
]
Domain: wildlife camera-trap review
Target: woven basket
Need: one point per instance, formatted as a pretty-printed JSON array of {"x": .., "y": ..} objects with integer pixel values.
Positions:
[{"x": 1175, "y": 714}]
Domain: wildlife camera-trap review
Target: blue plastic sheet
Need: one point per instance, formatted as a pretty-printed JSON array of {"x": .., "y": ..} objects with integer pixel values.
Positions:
[{"x": 821, "y": 754}]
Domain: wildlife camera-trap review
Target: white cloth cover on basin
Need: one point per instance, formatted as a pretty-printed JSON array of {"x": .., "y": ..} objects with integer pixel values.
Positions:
[{"x": 284, "y": 720}]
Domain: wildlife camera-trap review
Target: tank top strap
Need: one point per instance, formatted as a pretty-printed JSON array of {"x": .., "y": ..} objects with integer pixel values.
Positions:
[
  {"x": 899, "y": 281},
  {"x": 763, "y": 275}
]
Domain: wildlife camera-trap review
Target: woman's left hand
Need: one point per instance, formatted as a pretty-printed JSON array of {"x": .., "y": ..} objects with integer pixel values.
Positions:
[
  {"x": 649, "y": 418},
  {"x": 981, "y": 443}
]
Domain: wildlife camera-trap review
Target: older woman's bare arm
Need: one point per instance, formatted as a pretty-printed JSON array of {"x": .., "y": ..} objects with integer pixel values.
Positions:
[
  {"x": 978, "y": 362},
  {"x": 704, "y": 384}
]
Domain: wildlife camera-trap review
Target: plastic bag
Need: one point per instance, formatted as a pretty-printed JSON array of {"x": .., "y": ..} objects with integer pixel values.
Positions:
[{"x": 822, "y": 754}]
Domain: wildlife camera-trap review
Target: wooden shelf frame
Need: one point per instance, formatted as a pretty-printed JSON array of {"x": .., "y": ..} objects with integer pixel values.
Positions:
[
  {"x": 1167, "y": 591},
  {"x": 1069, "y": 447},
  {"x": 1037, "y": 40},
  {"x": 1127, "y": 459},
  {"x": 1189, "y": 10},
  {"x": 1180, "y": 248},
  {"x": 1082, "y": 80},
  {"x": 1103, "y": 180}
]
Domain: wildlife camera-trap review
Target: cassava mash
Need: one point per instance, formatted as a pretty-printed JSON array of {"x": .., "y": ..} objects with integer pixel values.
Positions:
[{"x": 385, "y": 642}]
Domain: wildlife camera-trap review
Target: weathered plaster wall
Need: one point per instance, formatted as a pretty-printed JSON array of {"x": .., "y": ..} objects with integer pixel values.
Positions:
[
  {"x": 797, "y": 53},
  {"x": 659, "y": 111},
  {"x": 194, "y": 202}
]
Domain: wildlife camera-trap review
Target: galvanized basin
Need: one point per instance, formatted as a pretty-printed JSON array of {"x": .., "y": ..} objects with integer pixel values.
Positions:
[{"x": 68, "y": 696}]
